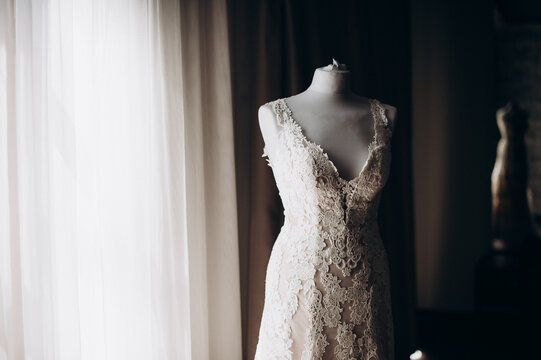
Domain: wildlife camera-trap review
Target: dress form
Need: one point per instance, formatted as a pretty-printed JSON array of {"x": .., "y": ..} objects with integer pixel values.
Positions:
[
  {"x": 327, "y": 284},
  {"x": 331, "y": 116}
]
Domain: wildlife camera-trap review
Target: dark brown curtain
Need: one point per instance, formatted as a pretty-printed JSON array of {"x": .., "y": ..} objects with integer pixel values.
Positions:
[{"x": 276, "y": 46}]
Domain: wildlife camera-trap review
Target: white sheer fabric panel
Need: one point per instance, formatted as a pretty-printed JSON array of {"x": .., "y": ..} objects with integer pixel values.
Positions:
[{"x": 117, "y": 199}]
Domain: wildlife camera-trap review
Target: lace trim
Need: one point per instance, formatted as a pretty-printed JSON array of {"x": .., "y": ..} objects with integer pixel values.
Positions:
[{"x": 381, "y": 139}]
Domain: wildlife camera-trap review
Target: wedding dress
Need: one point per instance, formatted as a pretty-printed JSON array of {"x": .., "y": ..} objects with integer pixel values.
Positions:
[{"x": 327, "y": 281}]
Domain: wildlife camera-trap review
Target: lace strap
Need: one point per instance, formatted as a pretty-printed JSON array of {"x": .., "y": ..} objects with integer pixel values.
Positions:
[
  {"x": 378, "y": 111},
  {"x": 278, "y": 111},
  {"x": 382, "y": 128}
]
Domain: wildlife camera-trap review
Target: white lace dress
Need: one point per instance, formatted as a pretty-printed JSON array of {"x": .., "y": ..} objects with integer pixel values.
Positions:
[{"x": 327, "y": 282}]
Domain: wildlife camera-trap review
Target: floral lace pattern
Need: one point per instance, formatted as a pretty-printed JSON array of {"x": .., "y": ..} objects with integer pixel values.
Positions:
[{"x": 327, "y": 282}]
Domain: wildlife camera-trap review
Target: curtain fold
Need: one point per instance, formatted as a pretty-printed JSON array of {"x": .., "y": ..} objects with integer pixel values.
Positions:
[{"x": 118, "y": 226}]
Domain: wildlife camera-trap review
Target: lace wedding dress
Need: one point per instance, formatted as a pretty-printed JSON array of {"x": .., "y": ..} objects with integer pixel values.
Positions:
[{"x": 327, "y": 282}]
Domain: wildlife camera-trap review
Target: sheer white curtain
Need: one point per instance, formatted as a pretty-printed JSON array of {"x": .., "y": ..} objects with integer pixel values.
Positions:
[{"x": 117, "y": 200}]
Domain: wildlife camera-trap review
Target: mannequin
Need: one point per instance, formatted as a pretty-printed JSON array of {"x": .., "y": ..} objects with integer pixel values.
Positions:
[{"x": 331, "y": 116}]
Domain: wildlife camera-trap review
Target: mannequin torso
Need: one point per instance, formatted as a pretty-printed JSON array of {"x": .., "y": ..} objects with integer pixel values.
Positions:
[{"x": 331, "y": 116}]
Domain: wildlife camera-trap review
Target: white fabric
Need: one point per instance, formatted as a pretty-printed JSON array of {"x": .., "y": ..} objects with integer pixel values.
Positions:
[
  {"x": 117, "y": 220},
  {"x": 327, "y": 291}
]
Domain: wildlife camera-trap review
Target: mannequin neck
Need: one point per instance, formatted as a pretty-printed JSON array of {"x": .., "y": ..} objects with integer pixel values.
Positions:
[{"x": 331, "y": 82}]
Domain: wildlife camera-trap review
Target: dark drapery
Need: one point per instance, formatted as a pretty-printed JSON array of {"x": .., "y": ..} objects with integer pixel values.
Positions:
[{"x": 276, "y": 46}]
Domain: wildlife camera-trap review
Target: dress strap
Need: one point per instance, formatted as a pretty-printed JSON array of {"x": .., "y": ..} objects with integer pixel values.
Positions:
[
  {"x": 381, "y": 112},
  {"x": 278, "y": 110},
  {"x": 381, "y": 127}
]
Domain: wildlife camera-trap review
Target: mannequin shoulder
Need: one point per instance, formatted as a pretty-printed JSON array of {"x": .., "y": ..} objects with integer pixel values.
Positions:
[
  {"x": 265, "y": 113},
  {"x": 267, "y": 122},
  {"x": 267, "y": 119},
  {"x": 391, "y": 113}
]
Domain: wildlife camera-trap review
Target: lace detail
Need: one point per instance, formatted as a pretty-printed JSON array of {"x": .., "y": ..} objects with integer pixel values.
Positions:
[{"x": 327, "y": 281}]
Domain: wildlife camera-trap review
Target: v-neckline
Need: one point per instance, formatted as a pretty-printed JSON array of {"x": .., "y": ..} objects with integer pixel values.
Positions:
[{"x": 371, "y": 147}]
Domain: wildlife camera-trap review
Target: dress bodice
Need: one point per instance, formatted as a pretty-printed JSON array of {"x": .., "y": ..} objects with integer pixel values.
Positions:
[{"x": 309, "y": 183}]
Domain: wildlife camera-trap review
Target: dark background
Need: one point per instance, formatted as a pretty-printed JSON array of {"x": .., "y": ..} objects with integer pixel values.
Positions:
[{"x": 439, "y": 63}]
